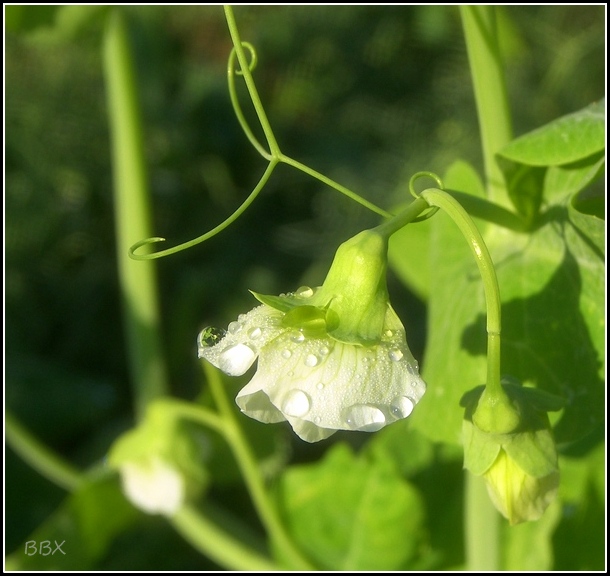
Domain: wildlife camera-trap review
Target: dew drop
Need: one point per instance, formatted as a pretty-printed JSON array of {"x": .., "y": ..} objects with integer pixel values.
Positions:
[
  {"x": 413, "y": 369},
  {"x": 304, "y": 292},
  {"x": 311, "y": 360},
  {"x": 296, "y": 403},
  {"x": 364, "y": 418},
  {"x": 286, "y": 353},
  {"x": 254, "y": 333},
  {"x": 395, "y": 355},
  {"x": 210, "y": 336},
  {"x": 297, "y": 337},
  {"x": 320, "y": 385},
  {"x": 235, "y": 360},
  {"x": 324, "y": 351},
  {"x": 389, "y": 333},
  {"x": 235, "y": 327},
  {"x": 401, "y": 406},
  {"x": 317, "y": 419}
]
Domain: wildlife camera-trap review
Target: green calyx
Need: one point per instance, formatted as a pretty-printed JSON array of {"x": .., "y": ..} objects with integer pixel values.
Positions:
[
  {"x": 530, "y": 444},
  {"x": 496, "y": 413},
  {"x": 352, "y": 303}
]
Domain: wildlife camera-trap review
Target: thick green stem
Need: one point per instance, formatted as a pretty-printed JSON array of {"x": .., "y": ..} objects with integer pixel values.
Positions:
[
  {"x": 452, "y": 207},
  {"x": 481, "y": 526},
  {"x": 132, "y": 210},
  {"x": 487, "y": 71},
  {"x": 39, "y": 457}
]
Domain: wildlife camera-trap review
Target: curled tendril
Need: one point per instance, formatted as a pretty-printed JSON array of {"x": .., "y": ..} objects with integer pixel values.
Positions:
[
  {"x": 433, "y": 209},
  {"x": 210, "y": 233},
  {"x": 231, "y": 73},
  {"x": 251, "y": 65}
]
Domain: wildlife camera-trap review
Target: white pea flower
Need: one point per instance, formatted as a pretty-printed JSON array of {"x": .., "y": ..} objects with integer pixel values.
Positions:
[
  {"x": 154, "y": 487},
  {"x": 159, "y": 463},
  {"x": 331, "y": 358}
]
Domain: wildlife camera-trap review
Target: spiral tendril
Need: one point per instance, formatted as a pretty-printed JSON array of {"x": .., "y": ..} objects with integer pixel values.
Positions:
[{"x": 424, "y": 174}]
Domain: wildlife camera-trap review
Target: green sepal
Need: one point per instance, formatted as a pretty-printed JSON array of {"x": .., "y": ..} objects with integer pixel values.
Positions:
[
  {"x": 281, "y": 303},
  {"x": 314, "y": 322},
  {"x": 480, "y": 449}
]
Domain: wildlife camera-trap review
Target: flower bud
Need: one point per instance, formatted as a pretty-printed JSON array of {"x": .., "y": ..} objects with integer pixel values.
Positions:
[
  {"x": 520, "y": 466},
  {"x": 159, "y": 463}
]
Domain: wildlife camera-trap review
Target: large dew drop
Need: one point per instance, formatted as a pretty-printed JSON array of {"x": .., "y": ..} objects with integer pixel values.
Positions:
[
  {"x": 401, "y": 406},
  {"x": 364, "y": 418},
  {"x": 296, "y": 403},
  {"x": 235, "y": 360}
]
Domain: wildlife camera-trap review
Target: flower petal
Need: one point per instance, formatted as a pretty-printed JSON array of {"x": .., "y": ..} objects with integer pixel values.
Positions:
[
  {"x": 320, "y": 385},
  {"x": 243, "y": 341}
]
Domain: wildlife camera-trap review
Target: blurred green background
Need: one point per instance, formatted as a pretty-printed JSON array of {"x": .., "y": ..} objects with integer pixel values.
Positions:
[{"x": 366, "y": 95}]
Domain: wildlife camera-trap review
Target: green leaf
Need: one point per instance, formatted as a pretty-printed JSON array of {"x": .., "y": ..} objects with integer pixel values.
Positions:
[
  {"x": 552, "y": 284},
  {"x": 348, "y": 513},
  {"x": 567, "y": 179},
  {"x": 410, "y": 451},
  {"x": 86, "y": 523},
  {"x": 564, "y": 140},
  {"x": 588, "y": 222},
  {"x": 524, "y": 184}
]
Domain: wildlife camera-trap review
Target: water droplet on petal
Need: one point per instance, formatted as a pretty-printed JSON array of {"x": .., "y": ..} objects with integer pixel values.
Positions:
[
  {"x": 389, "y": 333},
  {"x": 235, "y": 360},
  {"x": 364, "y": 418},
  {"x": 286, "y": 353},
  {"x": 395, "y": 355},
  {"x": 324, "y": 350},
  {"x": 296, "y": 403},
  {"x": 235, "y": 327},
  {"x": 304, "y": 292},
  {"x": 401, "y": 406},
  {"x": 320, "y": 385},
  {"x": 297, "y": 337},
  {"x": 311, "y": 360},
  {"x": 255, "y": 333},
  {"x": 210, "y": 336}
]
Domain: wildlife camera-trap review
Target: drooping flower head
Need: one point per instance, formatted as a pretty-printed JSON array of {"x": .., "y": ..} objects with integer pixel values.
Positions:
[
  {"x": 510, "y": 444},
  {"x": 329, "y": 358}
]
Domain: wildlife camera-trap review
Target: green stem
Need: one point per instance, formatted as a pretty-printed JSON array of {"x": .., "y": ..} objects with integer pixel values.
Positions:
[
  {"x": 132, "y": 209},
  {"x": 332, "y": 184},
  {"x": 252, "y": 91},
  {"x": 481, "y": 34},
  {"x": 481, "y": 526},
  {"x": 409, "y": 214},
  {"x": 216, "y": 544},
  {"x": 244, "y": 206},
  {"x": 452, "y": 207},
  {"x": 39, "y": 457},
  {"x": 251, "y": 473}
]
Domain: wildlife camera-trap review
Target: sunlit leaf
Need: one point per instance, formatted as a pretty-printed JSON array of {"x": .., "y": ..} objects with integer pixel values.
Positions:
[
  {"x": 564, "y": 140},
  {"x": 349, "y": 513}
]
